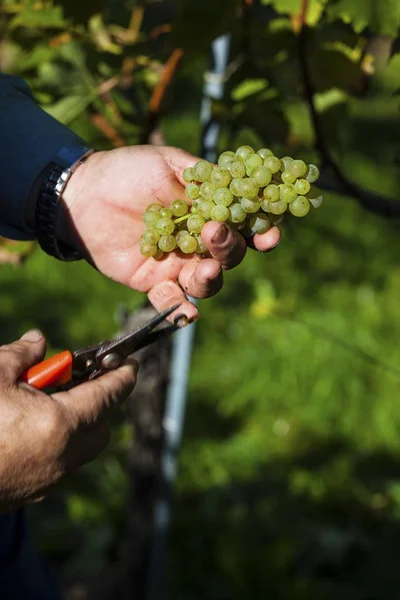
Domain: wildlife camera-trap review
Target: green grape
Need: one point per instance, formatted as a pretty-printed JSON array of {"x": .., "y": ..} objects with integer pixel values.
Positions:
[
  {"x": 259, "y": 223},
  {"x": 207, "y": 190},
  {"x": 151, "y": 235},
  {"x": 286, "y": 161},
  {"x": 287, "y": 193},
  {"x": 202, "y": 170},
  {"x": 312, "y": 173},
  {"x": 201, "y": 247},
  {"x": 250, "y": 205},
  {"x": 248, "y": 188},
  {"x": 234, "y": 186},
  {"x": 288, "y": 177},
  {"x": 265, "y": 153},
  {"x": 244, "y": 152},
  {"x": 188, "y": 175},
  {"x": 166, "y": 212},
  {"x": 220, "y": 177},
  {"x": 151, "y": 218},
  {"x": 226, "y": 158},
  {"x": 195, "y": 223},
  {"x": 315, "y": 196},
  {"x": 159, "y": 254},
  {"x": 181, "y": 234},
  {"x": 165, "y": 226},
  {"x": 192, "y": 191},
  {"x": 300, "y": 207},
  {"x": 278, "y": 208},
  {"x": 272, "y": 163},
  {"x": 188, "y": 244},
  {"x": 265, "y": 205},
  {"x": 316, "y": 202},
  {"x": 236, "y": 213},
  {"x": 179, "y": 208},
  {"x": 147, "y": 249},
  {"x": 223, "y": 196},
  {"x": 271, "y": 193},
  {"x": 298, "y": 168},
  {"x": 205, "y": 208},
  {"x": 261, "y": 176},
  {"x": 237, "y": 169},
  {"x": 220, "y": 213},
  {"x": 167, "y": 243},
  {"x": 252, "y": 162},
  {"x": 154, "y": 208},
  {"x": 302, "y": 187}
]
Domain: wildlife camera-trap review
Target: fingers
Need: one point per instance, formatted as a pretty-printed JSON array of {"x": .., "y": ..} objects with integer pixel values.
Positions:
[
  {"x": 201, "y": 278},
  {"x": 228, "y": 247},
  {"x": 265, "y": 242},
  {"x": 178, "y": 160},
  {"x": 15, "y": 358},
  {"x": 167, "y": 293},
  {"x": 89, "y": 401}
]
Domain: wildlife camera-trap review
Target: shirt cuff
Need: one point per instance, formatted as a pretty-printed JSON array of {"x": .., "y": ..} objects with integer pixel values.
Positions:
[{"x": 30, "y": 140}]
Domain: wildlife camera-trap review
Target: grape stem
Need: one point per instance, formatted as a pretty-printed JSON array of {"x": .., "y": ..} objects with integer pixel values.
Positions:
[{"x": 182, "y": 218}]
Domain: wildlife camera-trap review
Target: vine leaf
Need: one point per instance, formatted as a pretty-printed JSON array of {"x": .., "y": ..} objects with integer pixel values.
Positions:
[
  {"x": 381, "y": 17},
  {"x": 52, "y": 18},
  {"x": 315, "y": 8}
]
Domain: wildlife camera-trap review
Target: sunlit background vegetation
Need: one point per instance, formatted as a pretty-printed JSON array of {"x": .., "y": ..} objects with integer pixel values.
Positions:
[{"x": 289, "y": 473}]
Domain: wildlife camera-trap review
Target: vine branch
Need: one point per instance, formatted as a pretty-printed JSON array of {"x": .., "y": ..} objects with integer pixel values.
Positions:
[
  {"x": 332, "y": 177},
  {"x": 157, "y": 97}
]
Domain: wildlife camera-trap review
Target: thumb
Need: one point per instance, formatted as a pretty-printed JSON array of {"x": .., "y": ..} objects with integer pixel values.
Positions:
[
  {"x": 88, "y": 402},
  {"x": 15, "y": 358}
]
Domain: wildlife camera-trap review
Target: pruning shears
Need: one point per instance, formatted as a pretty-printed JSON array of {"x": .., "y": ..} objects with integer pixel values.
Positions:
[{"x": 71, "y": 368}]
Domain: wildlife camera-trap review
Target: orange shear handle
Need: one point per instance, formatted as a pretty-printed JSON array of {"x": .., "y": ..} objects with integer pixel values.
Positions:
[{"x": 51, "y": 372}]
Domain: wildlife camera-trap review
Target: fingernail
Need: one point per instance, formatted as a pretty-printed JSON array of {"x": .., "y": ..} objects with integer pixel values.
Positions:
[
  {"x": 221, "y": 236},
  {"x": 33, "y": 335},
  {"x": 131, "y": 364}
]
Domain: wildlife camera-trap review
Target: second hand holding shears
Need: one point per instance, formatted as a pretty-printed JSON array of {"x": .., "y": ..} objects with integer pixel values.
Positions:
[{"x": 91, "y": 362}]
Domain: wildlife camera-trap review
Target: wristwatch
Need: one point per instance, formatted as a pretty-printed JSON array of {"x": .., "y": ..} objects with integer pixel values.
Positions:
[{"x": 47, "y": 210}]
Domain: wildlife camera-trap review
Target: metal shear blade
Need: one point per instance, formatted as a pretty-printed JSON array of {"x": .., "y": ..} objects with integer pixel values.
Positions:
[{"x": 100, "y": 358}]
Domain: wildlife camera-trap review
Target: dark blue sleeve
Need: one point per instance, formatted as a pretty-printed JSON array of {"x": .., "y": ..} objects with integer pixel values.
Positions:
[
  {"x": 29, "y": 140},
  {"x": 23, "y": 573}
]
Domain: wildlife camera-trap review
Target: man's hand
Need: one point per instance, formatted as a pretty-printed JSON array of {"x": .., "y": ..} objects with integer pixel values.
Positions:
[
  {"x": 43, "y": 437},
  {"x": 106, "y": 199}
]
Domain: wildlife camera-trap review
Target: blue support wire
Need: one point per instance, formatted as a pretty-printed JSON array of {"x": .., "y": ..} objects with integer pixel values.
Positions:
[{"x": 182, "y": 347}]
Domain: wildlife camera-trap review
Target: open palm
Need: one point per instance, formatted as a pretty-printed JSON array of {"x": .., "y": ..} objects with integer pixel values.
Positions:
[{"x": 106, "y": 199}]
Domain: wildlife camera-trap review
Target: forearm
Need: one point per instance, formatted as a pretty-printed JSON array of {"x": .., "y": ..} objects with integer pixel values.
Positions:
[{"x": 29, "y": 141}]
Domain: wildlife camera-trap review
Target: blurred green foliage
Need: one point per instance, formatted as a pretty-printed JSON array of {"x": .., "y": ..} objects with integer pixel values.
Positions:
[{"x": 289, "y": 474}]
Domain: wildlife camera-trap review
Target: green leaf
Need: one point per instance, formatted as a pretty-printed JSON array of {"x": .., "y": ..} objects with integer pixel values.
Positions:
[
  {"x": 292, "y": 7},
  {"x": 197, "y": 24},
  {"x": 248, "y": 87},
  {"x": 39, "y": 55},
  {"x": 382, "y": 17},
  {"x": 69, "y": 108},
  {"x": 51, "y": 18}
]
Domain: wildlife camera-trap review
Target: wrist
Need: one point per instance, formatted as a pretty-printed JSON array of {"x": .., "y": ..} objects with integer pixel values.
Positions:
[{"x": 74, "y": 200}]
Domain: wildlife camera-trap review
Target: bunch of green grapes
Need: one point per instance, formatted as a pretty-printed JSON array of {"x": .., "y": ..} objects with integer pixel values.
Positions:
[{"x": 248, "y": 190}]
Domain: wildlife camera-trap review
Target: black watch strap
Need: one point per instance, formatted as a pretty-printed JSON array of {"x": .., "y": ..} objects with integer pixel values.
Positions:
[
  {"x": 46, "y": 217},
  {"x": 47, "y": 211}
]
